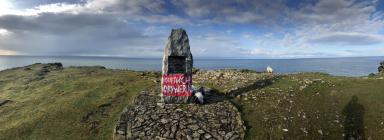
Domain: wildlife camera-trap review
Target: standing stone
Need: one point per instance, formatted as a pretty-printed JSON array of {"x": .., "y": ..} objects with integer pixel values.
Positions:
[{"x": 177, "y": 69}]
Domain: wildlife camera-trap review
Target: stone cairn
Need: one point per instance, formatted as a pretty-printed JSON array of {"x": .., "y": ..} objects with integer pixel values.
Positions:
[
  {"x": 164, "y": 117},
  {"x": 147, "y": 119},
  {"x": 176, "y": 85},
  {"x": 381, "y": 67}
]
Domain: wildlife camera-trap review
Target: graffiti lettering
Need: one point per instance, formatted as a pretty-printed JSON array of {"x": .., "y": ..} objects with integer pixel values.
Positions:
[{"x": 179, "y": 85}]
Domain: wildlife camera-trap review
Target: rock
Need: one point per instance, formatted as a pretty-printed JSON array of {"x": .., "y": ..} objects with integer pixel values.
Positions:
[
  {"x": 163, "y": 120},
  {"x": 229, "y": 135},
  {"x": 145, "y": 120},
  {"x": 3, "y": 102},
  {"x": 193, "y": 127},
  {"x": 178, "y": 45},
  {"x": 381, "y": 67},
  {"x": 207, "y": 136},
  {"x": 196, "y": 135},
  {"x": 320, "y": 132},
  {"x": 177, "y": 63}
]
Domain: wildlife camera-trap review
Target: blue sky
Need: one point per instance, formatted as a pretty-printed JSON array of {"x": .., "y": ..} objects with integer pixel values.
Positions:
[{"x": 216, "y": 28}]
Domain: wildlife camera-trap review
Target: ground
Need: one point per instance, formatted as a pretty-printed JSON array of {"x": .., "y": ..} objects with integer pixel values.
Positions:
[
  {"x": 149, "y": 118},
  {"x": 305, "y": 105},
  {"x": 71, "y": 103},
  {"x": 51, "y": 102}
]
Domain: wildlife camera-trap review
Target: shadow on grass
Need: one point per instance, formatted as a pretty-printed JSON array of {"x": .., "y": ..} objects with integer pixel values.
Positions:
[
  {"x": 215, "y": 95},
  {"x": 354, "y": 121},
  {"x": 257, "y": 85}
]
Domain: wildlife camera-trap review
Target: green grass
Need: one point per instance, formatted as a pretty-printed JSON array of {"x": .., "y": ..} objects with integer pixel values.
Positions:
[
  {"x": 85, "y": 103},
  {"x": 315, "y": 109},
  {"x": 73, "y": 103}
]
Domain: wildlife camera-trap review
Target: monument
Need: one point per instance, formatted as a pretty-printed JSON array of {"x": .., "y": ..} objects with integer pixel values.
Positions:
[{"x": 176, "y": 83}]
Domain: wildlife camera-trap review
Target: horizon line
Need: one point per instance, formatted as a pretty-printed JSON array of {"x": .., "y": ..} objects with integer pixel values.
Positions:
[{"x": 213, "y": 58}]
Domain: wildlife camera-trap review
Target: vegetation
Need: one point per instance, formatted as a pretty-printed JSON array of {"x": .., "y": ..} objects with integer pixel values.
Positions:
[
  {"x": 50, "y": 102},
  {"x": 71, "y": 103},
  {"x": 311, "y": 106}
]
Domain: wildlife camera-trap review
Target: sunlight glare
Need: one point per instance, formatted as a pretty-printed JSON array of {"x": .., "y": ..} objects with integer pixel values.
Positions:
[{"x": 5, "y": 7}]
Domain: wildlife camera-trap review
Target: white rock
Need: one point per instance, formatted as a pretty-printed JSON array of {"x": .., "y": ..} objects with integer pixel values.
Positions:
[{"x": 320, "y": 132}]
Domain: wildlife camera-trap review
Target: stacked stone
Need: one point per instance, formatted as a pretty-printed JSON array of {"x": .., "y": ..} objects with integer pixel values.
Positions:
[
  {"x": 148, "y": 119},
  {"x": 381, "y": 67}
]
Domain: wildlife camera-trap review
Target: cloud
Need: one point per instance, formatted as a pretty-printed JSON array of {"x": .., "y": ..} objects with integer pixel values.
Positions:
[
  {"x": 96, "y": 27},
  {"x": 337, "y": 22},
  {"x": 241, "y": 11},
  {"x": 4, "y": 32},
  {"x": 349, "y": 39},
  {"x": 139, "y": 28}
]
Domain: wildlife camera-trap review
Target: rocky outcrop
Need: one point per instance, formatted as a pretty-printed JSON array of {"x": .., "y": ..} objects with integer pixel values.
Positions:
[
  {"x": 147, "y": 118},
  {"x": 228, "y": 80},
  {"x": 381, "y": 67}
]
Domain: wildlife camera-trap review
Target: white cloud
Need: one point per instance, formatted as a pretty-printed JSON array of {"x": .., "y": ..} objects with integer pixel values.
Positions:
[
  {"x": 4, "y": 32},
  {"x": 348, "y": 38},
  {"x": 7, "y": 52},
  {"x": 336, "y": 22},
  {"x": 266, "y": 28}
]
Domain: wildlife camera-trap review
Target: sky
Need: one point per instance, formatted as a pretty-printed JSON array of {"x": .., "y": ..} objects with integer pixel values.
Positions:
[{"x": 216, "y": 28}]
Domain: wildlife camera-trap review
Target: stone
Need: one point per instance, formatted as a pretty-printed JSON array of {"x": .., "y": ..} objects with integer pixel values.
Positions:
[
  {"x": 320, "y": 132},
  {"x": 207, "y": 136},
  {"x": 196, "y": 135},
  {"x": 381, "y": 67},
  {"x": 164, "y": 121},
  {"x": 229, "y": 135},
  {"x": 154, "y": 117},
  {"x": 3, "y": 102},
  {"x": 193, "y": 127},
  {"x": 177, "y": 68},
  {"x": 194, "y": 121}
]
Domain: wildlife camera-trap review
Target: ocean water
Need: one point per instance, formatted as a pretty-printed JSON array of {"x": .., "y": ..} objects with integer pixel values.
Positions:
[{"x": 356, "y": 66}]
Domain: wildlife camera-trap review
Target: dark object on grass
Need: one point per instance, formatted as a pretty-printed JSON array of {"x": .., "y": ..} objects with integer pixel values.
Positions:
[
  {"x": 198, "y": 93},
  {"x": 3, "y": 102},
  {"x": 381, "y": 67},
  {"x": 371, "y": 75},
  {"x": 354, "y": 120}
]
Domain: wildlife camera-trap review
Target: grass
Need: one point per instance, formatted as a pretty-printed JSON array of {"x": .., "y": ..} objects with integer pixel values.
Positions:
[
  {"x": 85, "y": 103},
  {"x": 320, "y": 110},
  {"x": 72, "y": 103}
]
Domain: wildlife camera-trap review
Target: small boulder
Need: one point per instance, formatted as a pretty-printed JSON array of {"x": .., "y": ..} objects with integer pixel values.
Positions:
[{"x": 3, "y": 102}]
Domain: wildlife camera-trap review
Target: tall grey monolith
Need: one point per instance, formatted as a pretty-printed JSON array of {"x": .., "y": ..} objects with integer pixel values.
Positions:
[{"x": 176, "y": 85}]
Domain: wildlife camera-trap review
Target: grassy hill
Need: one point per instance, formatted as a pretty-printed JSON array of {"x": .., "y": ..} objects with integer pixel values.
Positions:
[
  {"x": 51, "y": 102},
  {"x": 303, "y": 106}
]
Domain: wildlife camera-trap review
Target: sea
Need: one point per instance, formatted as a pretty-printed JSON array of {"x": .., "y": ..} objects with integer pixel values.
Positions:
[{"x": 351, "y": 66}]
